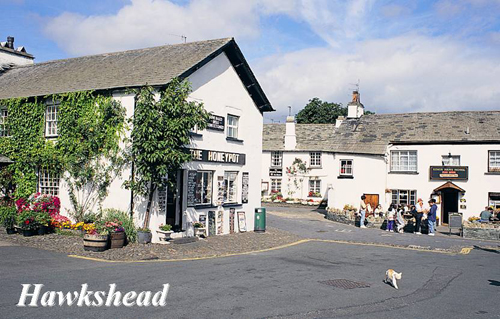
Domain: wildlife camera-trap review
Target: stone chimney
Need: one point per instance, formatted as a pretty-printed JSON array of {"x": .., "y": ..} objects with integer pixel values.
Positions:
[
  {"x": 11, "y": 56},
  {"x": 290, "y": 137},
  {"x": 339, "y": 121},
  {"x": 355, "y": 109}
]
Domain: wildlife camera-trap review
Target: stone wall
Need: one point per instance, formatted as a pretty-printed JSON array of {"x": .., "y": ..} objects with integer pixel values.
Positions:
[{"x": 482, "y": 233}]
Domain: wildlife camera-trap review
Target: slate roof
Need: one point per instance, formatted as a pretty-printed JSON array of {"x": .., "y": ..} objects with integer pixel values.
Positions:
[
  {"x": 372, "y": 133},
  {"x": 134, "y": 68}
]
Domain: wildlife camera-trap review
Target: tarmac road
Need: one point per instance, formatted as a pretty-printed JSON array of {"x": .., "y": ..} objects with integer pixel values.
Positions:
[{"x": 285, "y": 283}]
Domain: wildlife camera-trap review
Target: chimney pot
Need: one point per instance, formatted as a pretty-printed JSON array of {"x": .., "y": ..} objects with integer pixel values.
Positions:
[{"x": 10, "y": 42}]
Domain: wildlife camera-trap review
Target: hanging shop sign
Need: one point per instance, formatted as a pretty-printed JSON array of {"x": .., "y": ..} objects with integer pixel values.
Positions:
[
  {"x": 244, "y": 187},
  {"x": 215, "y": 123},
  {"x": 449, "y": 172},
  {"x": 217, "y": 157},
  {"x": 275, "y": 172}
]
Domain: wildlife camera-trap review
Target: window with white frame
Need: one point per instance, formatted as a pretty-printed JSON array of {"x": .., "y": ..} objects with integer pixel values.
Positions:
[
  {"x": 345, "y": 167},
  {"x": 48, "y": 182},
  {"x": 230, "y": 187},
  {"x": 404, "y": 196},
  {"x": 4, "y": 129},
  {"x": 451, "y": 160},
  {"x": 403, "y": 161},
  {"x": 314, "y": 187},
  {"x": 275, "y": 185},
  {"x": 494, "y": 161},
  {"x": 276, "y": 158},
  {"x": 51, "y": 119},
  {"x": 203, "y": 190},
  {"x": 315, "y": 159},
  {"x": 232, "y": 126},
  {"x": 494, "y": 200}
]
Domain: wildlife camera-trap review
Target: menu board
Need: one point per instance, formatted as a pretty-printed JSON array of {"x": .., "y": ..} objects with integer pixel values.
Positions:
[
  {"x": 211, "y": 223},
  {"x": 191, "y": 188},
  {"x": 220, "y": 190},
  {"x": 232, "y": 213},
  {"x": 244, "y": 187},
  {"x": 242, "y": 222},
  {"x": 220, "y": 214},
  {"x": 215, "y": 122}
]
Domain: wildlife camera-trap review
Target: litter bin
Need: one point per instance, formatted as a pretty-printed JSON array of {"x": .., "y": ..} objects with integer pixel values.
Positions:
[{"x": 260, "y": 219}]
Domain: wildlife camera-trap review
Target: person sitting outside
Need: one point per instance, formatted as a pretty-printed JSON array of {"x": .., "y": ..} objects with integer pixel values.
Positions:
[{"x": 486, "y": 214}]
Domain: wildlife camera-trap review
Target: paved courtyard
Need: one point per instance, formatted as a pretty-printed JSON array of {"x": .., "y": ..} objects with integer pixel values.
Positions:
[{"x": 292, "y": 282}]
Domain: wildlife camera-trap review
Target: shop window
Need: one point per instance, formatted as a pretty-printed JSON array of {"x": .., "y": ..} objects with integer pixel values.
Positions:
[
  {"x": 275, "y": 185},
  {"x": 51, "y": 119},
  {"x": 494, "y": 161},
  {"x": 48, "y": 183},
  {"x": 315, "y": 159},
  {"x": 404, "y": 197},
  {"x": 203, "y": 191},
  {"x": 315, "y": 188},
  {"x": 451, "y": 160},
  {"x": 403, "y": 161},
  {"x": 345, "y": 167},
  {"x": 4, "y": 129},
  {"x": 232, "y": 126},
  {"x": 230, "y": 187},
  {"x": 276, "y": 159},
  {"x": 494, "y": 200}
]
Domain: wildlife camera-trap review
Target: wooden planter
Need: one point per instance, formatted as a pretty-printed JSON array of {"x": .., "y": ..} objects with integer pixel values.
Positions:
[
  {"x": 95, "y": 242},
  {"x": 117, "y": 239}
]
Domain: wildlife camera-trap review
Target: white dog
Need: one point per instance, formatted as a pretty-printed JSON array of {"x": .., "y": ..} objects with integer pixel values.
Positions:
[{"x": 391, "y": 277}]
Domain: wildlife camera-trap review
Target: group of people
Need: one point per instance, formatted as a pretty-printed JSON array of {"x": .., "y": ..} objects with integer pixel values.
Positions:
[
  {"x": 395, "y": 219},
  {"x": 488, "y": 215}
]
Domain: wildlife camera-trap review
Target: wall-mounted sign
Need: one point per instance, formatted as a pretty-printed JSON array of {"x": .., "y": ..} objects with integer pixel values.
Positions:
[
  {"x": 275, "y": 172},
  {"x": 191, "y": 188},
  {"x": 463, "y": 206},
  {"x": 463, "y": 200},
  {"x": 215, "y": 122},
  {"x": 232, "y": 213},
  {"x": 217, "y": 157},
  {"x": 211, "y": 223},
  {"x": 244, "y": 187},
  {"x": 220, "y": 190},
  {"x": 449, "y": 172},
  {"x": 242, "y": 222}
]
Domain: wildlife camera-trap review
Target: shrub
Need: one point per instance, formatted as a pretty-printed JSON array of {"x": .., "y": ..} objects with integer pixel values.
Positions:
[
  {"x": 166, "y": 227},
  {"x": 8, "y": 216},
  {"x": 26, "y": 220},
  {"x": 127, "y": 222},
  {"x": 89, "y": 218}
]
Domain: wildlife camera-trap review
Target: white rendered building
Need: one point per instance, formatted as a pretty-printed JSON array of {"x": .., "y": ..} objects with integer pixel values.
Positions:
[
  {"x": 453, "y": 157},
  {"x": 222, "y": 182}
]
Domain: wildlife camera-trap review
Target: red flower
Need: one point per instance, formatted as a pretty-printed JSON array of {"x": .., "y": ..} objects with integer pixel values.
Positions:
[{"x": 27, "y": 222}]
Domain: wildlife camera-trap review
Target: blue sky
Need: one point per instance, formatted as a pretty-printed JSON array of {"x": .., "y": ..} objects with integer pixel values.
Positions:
[{"x": 409, "y": 56}]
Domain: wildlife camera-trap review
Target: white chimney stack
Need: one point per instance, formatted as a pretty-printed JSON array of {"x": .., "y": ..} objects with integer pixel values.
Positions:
[
  {"x": 9, "y": 55},
  {"x": 290, "y": 137},
  {"x": 339, "y": 121},
  {"x": 355, "y": 109}
]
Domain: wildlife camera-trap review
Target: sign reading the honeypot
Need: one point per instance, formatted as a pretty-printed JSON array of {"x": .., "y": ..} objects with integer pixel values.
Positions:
[
  {"x": 215, "y": 122},
  {"x": 217, "y": 157},
  {"x": 449, "y": 172}
]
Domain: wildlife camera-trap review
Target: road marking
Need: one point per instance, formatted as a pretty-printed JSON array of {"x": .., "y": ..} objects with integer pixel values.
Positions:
[
  {"x": 464, "y": 251},
  {"x": 343, "y": 230}
]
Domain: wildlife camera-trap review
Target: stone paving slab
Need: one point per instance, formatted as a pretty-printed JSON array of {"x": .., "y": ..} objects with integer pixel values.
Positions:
[{"x": 212, "y": 246}]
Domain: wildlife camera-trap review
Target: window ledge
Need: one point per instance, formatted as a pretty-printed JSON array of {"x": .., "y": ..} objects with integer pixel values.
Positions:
[
  {"x": 311, "y": 167},
  {"x": 214, "y": 206},
  {"x": 192, "y": 134},
  {"x": 404, "y": 172},
  {"x": 492, "y": 173},
  {"x": 345, "y": 177},
  {"x": 232, "y": 139}
]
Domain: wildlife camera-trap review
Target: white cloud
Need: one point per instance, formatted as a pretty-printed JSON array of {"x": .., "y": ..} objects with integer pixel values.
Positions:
[{"x": 403, "y": 74}]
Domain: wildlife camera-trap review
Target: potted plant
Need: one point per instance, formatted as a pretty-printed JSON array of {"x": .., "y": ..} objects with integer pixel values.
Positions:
[
  {"x": 8, "y": 218},
  {"x": 27, "y": 223},
  {"x": 116, "y": 233},
  {"x": 144, "y": 235},
  {"x": 199, "y": 230},
  {"x": 43, "y": 220},
  {"x": 96, "y": 238},
  {"x": 165, "y": 232}
]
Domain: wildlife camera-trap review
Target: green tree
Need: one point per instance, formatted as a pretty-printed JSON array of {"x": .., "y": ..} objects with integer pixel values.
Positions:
[
  {"x": 91, "y": 128},
  {"x": 320, "y": 112},
  {"x": 159, "y": 136}
]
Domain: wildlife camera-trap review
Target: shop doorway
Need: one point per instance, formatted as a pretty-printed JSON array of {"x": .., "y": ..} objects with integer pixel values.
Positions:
[
  {"x": 174, "y": 202},
  {"x": 449, "y": 200},
  {"x": 372, "y": 199}
]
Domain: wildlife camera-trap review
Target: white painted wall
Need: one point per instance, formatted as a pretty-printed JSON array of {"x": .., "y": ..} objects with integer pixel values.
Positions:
[{"x": 7, "y": 57}]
